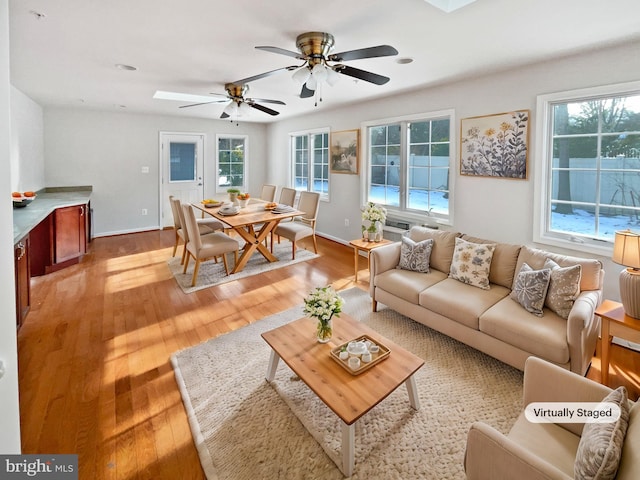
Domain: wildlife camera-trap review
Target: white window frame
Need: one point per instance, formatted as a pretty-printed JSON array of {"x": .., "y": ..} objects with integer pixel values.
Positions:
[
  {"x": 292, "y": 161},
  {"x": 245, "y": 176},
  {"x": 410, "y": 215},
  {"x": 544, "y": 147}
]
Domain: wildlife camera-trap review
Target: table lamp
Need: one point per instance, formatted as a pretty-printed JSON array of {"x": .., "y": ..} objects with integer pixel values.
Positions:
[{"x": 626, "y": 251}]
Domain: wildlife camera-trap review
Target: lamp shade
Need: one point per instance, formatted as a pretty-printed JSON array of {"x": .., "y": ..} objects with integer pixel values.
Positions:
[{"x": 626, "y": 249}]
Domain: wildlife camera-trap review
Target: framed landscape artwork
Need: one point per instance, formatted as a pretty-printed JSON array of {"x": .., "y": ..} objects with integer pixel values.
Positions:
[
  {"x": 344, "y": 151},
  {"x": 495, "y": 145}
]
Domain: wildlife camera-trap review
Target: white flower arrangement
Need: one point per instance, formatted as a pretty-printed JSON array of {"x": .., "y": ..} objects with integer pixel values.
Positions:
[
  {"x": 323, "y": 303},
  {"x": 374, "y": 213}
]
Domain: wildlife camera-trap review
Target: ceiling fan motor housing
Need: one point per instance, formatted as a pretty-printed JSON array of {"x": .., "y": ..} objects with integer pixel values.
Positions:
[
  {"x": 315, "y": 46},
  {"x": 236, "y": 91}
]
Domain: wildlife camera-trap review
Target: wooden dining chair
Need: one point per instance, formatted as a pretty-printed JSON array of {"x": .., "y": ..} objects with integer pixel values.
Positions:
[
  {"x": 205, "y": 247},
  {"x": 205, "y": 225},
  {"x": 268, "y": 193},
  {"x": 287, "y": 196},
  {"x": 304, "y": 225}
]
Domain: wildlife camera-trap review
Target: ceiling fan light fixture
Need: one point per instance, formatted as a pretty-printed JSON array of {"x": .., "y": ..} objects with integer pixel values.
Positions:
[
  {"x": 244, "y": 109},
  {"x": 231, "y": 109},
  {"x": 449, "y": 6},
  {"x": 319, "y": 72},
  {"x": 332, "y": 77},
  {"x": 301, "y": 75},
  {"x": 312, "y": 83}
]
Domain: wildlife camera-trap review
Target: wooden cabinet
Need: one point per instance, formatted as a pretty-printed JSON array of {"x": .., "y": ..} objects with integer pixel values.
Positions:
[
  {"x": 60, "y": 239},
  {"x": 23, "y": 279},
  {"x": 70, "y": 233}
]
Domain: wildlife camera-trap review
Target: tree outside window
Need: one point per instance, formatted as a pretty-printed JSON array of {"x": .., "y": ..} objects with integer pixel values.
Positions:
[{"x": 595, "y": 166}]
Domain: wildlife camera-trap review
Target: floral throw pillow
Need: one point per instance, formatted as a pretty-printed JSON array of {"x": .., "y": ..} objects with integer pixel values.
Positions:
[
  {"x": 471, "y": 263},
  {"x": 564, "y": 287},
  {"x": 415, "y": 256},
  {"x": 530, "y": 288}
]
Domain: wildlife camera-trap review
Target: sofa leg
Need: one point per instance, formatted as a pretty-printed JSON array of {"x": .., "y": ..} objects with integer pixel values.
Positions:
[{"x": 374, "y": 305}]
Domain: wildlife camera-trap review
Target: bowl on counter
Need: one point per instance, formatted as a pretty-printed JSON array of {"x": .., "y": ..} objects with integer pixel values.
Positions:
[{"x": 22, "y": 202}]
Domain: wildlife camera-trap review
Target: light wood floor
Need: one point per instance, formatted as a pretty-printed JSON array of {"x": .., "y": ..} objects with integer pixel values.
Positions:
[{"x": 95, "y": 377}]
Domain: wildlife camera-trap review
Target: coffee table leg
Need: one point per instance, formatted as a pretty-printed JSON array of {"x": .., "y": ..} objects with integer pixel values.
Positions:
[
  {"x": 273, "y": 366},
  {"x": 348, "y": 450},
  {"x": 412, "y": 390}
]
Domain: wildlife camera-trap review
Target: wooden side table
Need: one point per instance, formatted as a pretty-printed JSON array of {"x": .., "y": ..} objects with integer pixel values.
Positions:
[
  {"x": 362, "y": 245},
  {"x": 615, "y": 323}
]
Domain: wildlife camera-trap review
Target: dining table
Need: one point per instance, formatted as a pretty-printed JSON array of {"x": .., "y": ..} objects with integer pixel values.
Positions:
[{"x": 253, "y": 223}]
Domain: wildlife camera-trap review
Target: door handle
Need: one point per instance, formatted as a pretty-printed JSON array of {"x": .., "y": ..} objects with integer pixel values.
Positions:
[
  {"x": 200, "y": 184},
  {"x": 23, "y": 250}
]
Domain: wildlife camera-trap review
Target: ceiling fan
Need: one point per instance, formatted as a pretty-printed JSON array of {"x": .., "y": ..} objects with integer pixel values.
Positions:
[
  {"x": 237, "y": 104},
  {"x": 313, "y": 49}
]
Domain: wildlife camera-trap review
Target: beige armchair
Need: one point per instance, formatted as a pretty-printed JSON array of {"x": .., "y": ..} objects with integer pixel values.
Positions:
[
  {"x": 546, "y": 450},
  {"x": 205, "y": 247}
]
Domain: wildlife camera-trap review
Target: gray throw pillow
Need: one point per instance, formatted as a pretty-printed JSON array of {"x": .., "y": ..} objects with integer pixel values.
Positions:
[
  {"x": 530, "y": 288},
  {"x": 600, "y": 446},
  {"x": 564, "y": 287},
  {"x": 415, "y": 256}
]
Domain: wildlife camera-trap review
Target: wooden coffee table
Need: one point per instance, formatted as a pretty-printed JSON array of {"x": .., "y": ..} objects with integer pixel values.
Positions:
[{"x": 348, "y": 396}]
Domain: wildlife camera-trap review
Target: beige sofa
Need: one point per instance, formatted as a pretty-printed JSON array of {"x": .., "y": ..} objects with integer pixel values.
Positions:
[
  {"x": 534, "y": 451},
  {"x": 489, "y": 320}
]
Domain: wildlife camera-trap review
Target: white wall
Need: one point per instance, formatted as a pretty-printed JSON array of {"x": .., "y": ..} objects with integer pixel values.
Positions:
[
  {"x": 108, "y": 150},
  {"x": 500, "y": 209},
  {"x": 27, "y": 143},
  {"x": 9, "y": 407}
]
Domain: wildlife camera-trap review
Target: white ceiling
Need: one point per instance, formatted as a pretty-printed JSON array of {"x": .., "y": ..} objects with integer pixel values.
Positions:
[{"x": 68, "y": 57}]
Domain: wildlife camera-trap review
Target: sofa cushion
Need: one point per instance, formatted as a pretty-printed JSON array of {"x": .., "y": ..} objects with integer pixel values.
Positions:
[
  {"x": 406, "y": 284},
  {"x": 443, "y": 245},
  {"x": 590, "y": 279},
  {"x": 461, "y": 302},
  {"x": 471, "y": 263},
  {"x": 503, "y": 263},
  {"x": 414, "y": 256},
  {"x": 600, "y": 446},
  {"x": 530, "y": 288},
  {"x": 564, "y": 287},
  {"x": 544, "y": 337}
]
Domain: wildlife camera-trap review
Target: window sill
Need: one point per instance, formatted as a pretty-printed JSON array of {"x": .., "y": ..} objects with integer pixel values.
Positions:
[{"x": 601, "y": 248}]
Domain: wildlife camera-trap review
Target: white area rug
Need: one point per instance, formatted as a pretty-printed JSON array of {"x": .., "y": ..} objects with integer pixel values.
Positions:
[
  {"x": 245, "y": 428},
  {"x": 212, "y": 273}
]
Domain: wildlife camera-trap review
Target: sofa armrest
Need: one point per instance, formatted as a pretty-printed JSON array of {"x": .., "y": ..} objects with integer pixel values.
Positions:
[
  {"x": 382, "y": 259},
  {"x": 582, "y": 329},
  {"x": 490, "y": 455},
  {"x": 546, "y": 382}
]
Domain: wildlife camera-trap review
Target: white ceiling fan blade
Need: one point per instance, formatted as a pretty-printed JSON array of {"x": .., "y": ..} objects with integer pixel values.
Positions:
[{"x": 183, "y": 97}]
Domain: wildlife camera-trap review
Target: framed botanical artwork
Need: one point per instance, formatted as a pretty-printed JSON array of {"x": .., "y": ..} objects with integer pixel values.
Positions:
[
  {"x": 345, "y": 151},
  {"x": 495, "y": 145}
]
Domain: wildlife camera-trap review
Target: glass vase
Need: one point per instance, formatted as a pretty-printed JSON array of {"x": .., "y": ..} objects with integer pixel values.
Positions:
[
  {"x": 324, "y": 330},
  {"x": 379, "y": 231}
]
